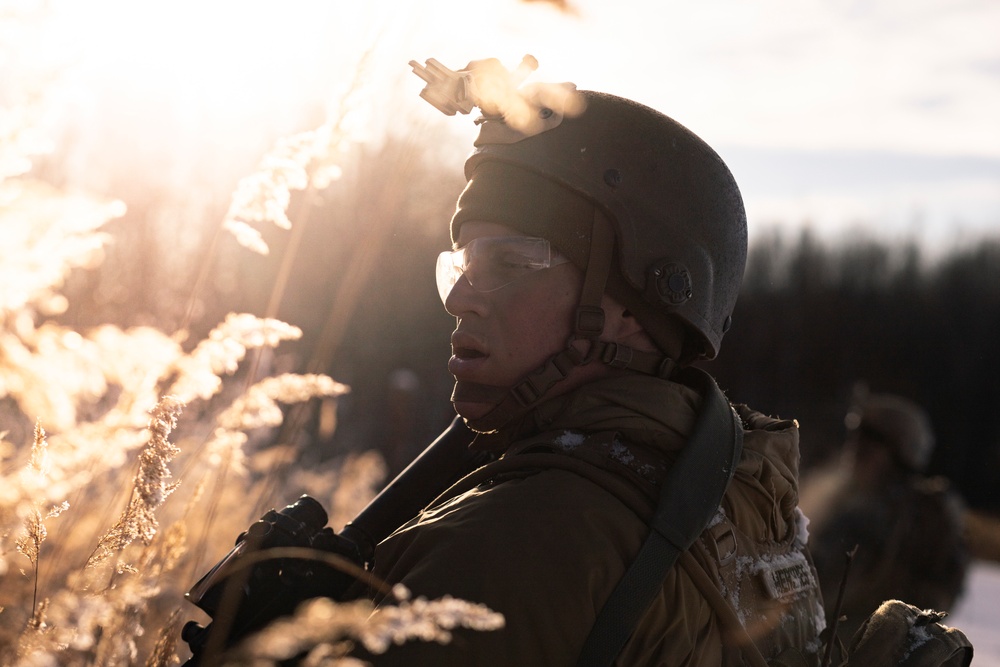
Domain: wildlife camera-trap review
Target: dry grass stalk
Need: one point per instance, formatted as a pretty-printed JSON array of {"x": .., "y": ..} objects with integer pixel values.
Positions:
[
  {"x": 199, "y": 374},
  {"x": 325, "y": 630},
  {"x": 150, "y": 486},
  {"x": 258, "y": 407},
  {"x": 29, "y": 541},
  {"x": 264, "y": 195},
  {"x": 166, "y": 642},
  {"x": 295, "y": 163}
]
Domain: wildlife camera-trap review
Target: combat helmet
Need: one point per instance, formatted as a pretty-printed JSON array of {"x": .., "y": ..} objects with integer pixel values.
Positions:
[
  {"x": 679, "y": 225},
  {"x": 896, "y": 422},
  {"x": 645, "y": 208}
]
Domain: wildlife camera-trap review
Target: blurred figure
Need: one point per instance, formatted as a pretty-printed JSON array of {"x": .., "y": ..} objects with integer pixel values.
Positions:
[{"x": 907, "y": 525}]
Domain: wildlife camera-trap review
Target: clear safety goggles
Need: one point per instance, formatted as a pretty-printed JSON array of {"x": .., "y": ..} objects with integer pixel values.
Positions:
[{"x": 492, "y": 262}]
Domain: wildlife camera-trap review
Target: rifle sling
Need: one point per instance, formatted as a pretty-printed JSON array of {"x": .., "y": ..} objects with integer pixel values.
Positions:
[{"x": 689, "y": 498}]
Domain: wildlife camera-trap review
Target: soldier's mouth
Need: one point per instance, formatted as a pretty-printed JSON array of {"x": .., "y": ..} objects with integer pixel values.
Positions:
[{"x": 465, "y": 353}]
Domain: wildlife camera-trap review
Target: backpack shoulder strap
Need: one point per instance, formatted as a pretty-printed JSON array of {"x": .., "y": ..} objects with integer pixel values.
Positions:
[{"x": 689, "y": 498}]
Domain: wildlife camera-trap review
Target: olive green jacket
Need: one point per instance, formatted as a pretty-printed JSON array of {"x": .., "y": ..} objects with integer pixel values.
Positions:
[{"x": 544, "y": 534}]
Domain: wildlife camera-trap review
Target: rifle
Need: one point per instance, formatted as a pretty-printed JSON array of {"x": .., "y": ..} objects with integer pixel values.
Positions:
[{"x": 249, "y": 588}]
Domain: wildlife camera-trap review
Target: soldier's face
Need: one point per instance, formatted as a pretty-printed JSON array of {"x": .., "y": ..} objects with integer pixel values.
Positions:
[{"x": 503, "y": 334}]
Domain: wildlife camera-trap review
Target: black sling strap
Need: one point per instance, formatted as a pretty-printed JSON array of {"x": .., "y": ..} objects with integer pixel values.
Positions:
[{"x": 689, "y": 498}]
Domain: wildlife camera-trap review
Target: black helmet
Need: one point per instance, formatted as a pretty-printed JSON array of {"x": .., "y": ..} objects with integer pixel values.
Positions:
[
  {"x": 679, "y": 225},
  {"x": 897, "y": 423}
]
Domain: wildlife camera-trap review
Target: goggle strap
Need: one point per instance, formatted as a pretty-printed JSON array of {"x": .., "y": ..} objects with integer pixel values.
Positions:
[{"x": 589, "y": 315}]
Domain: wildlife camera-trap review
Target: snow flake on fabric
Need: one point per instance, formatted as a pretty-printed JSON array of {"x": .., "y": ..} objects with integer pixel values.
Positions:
[
  {"x": 569, "y": 440},
  {"x": 621, "y": 453},
  {"x": 719, "y": 517},
  {"x": 918, "y": 636},
  {"x": 801, "y": 528}
]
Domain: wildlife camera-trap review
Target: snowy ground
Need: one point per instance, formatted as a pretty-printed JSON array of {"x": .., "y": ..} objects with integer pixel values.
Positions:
[{"x": 978, "y": 614}]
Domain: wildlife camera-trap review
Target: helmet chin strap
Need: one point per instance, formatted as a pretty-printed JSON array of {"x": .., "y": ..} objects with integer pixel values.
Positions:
[{"x": 513, "y": 402}]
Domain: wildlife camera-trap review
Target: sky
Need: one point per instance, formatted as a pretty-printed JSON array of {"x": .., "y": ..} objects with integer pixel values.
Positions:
[{"x": 875, "y": 117}]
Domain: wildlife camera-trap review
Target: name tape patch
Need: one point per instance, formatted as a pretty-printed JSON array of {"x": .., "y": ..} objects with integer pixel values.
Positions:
[{"x": 787, "y": 578}]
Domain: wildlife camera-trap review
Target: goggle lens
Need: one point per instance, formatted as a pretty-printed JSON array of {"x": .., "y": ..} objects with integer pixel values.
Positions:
[{"x": 492, "y": 262}]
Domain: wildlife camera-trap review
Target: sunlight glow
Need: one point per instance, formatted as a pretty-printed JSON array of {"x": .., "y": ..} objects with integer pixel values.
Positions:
[{"x": 190, "y": 95}]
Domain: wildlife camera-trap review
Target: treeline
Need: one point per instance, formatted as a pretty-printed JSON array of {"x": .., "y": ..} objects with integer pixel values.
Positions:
[{"x": 813, "y": 320}]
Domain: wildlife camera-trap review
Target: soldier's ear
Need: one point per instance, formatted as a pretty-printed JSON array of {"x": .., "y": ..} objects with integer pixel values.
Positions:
[
  {"x": 630, "y": 323},
  {"x": 621, "y": 326}
]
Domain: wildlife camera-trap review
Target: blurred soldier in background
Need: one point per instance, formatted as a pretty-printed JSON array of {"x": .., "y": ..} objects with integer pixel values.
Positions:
[
  {"x": 907, "y": 526},
  {"x": 632, "y": 515}
]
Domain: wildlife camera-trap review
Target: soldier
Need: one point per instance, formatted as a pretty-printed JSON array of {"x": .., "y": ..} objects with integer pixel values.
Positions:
[
  {"x": 907, "y": 526},
  {"x": 632, "y": 514}
]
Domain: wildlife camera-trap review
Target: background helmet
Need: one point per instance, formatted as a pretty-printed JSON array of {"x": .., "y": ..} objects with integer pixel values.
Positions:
[
  {"x": 678, "y": 218},
  {"x": 896, "y": 422}
]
